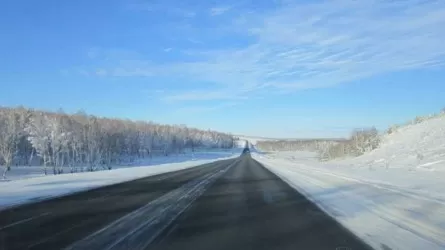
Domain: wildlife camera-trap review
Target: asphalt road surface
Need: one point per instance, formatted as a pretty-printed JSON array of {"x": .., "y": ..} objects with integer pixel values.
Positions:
[{"x": 231, "y": 204}]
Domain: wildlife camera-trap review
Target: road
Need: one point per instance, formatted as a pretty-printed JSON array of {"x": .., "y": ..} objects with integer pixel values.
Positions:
[{"x": 231, "y": 204}]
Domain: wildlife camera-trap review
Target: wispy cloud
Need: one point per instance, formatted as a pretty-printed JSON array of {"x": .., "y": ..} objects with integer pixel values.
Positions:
[
  {"x": 309, "y": 45},
  {"x": 216, "y": 11},
  {"x": 164, "y": 6}
]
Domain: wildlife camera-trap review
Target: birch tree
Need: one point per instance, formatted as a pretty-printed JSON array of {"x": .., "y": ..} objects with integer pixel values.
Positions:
[
  {"x": 39, "y": 136},
  {"x": 9, "y": 135},
  {"x": 79, "y": 140}
]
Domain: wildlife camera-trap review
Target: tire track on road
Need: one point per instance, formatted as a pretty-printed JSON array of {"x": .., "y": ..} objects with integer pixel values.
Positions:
[
  {"x": 249, "y": 207},
  {"x": 75, "y": 216},
  {"x": 137, "y": 229}
]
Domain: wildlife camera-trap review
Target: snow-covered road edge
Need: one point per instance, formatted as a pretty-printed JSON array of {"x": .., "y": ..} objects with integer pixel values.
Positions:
[
  {"x": 19, "y": 192},
  {"x": 357, "y": 208}
]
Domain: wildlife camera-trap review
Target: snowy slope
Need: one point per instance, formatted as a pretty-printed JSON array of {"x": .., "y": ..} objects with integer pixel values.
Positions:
[
  {"x": 34, "y": 189},
  {"x": 392, "y": 197},
  {"x": 413, "y": 147}
]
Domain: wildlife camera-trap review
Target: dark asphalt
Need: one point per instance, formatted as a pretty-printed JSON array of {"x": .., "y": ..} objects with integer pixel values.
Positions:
[
  {"x": 247, "y": 207},
  {"x": 57, "y": 223},
  {"x": 251, "y": 208}
]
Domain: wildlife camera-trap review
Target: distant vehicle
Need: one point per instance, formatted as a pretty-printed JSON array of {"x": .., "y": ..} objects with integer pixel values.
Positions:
[{"x": 246, "y": 150}]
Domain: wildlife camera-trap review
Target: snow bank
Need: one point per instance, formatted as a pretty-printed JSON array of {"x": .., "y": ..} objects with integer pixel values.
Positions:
[
  {"x": 34, "y": 189},
  {"x": 25, "y": 172}
]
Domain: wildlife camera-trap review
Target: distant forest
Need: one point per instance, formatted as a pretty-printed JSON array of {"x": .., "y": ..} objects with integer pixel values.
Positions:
[
  {"x": 360, "y": 141},
  {"x": 81, "y": 142}
]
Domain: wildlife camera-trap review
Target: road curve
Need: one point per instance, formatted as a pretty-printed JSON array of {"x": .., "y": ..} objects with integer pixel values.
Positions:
[{"x": 231, "y": 204}]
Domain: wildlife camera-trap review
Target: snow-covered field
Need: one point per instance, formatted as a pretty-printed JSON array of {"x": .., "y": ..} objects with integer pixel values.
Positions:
[
  {"x": 392, "y": 197},
  {"x": 24, "y": 188},
  {"x": 25, "y": 172}
]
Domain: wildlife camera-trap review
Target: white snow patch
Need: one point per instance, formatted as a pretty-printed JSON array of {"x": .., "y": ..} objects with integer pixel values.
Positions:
[
  {"x": 25, "y": 172},
  {"x": 33, "y": 189}
]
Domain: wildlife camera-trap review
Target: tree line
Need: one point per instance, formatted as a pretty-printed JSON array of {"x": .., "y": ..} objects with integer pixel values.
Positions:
[
  {"x": 81, "y": 142},
  {"x": 294, "y": 144},
  {"x": 360, "y": 142}
]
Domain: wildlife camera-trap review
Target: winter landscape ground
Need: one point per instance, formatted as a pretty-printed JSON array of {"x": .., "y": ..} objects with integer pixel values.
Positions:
[
  {"x": 29, "y": 184},
  {"x": 240, "y": 125},
  {"x": 391, "y": 197}
]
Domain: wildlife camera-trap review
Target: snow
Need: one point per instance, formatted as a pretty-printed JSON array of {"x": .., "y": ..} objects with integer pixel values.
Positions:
[
  {"x": 25, "y": 172},
  {"x": 241, "y": 143},
  {"x": 392, "y": 197},
  {"x": 254, "y": 139},
  {"x": 412, "y": 147},
  {"x": 25, "y": 189}
]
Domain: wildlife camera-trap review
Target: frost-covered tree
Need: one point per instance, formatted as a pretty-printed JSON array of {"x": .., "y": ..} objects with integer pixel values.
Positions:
[
  {"x": 365, "y": 140},
  {"x": 360, "y": 142},
  {"x": 82, "y": 142},
  {"x": 59, "y": 136},
  {"x": 39, "y": 135},
  {"x": 10, "y": 131},
  {"x": 295, "y": 145}
]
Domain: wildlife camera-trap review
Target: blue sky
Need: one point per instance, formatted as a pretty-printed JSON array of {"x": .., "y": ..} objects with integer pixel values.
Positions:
[{"x": 265, "y": 68}]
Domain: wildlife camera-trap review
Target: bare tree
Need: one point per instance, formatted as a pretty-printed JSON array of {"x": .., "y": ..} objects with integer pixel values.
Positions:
[
  {"x": 79, "y": 140},
  {"x": 365, "y": 140},
  {"x": 39, "y": 136},
  {"x": 9, "y": 137}
]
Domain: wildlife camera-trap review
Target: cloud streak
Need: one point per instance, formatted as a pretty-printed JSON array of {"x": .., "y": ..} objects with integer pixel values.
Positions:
[
  {"x": 310, "y": 45},
  {"x": 216, "y": 11}
]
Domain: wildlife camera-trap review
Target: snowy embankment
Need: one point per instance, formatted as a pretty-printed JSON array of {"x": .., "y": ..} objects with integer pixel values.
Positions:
[
  {"x": 26, "y": 190},
  {"x": 392, "y": 197}
]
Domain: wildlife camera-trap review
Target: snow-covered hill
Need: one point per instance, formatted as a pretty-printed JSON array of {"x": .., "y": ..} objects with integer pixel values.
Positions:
[
  {"x": 412, "y": 147},
  {"x": 391, "y": 197}
]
